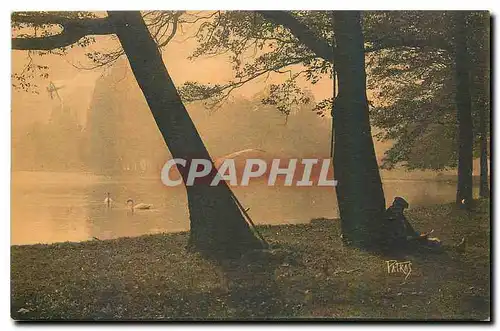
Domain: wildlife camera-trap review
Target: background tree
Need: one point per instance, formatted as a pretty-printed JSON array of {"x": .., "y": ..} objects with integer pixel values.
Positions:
[
  {"x": 464, "y": 105},
  {"x": 479, "y": 45},
  {"x": 414, "y": 87}
]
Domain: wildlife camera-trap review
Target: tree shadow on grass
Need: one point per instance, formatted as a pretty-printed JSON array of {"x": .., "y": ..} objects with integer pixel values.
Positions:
[{"x": 251, "y": 286}]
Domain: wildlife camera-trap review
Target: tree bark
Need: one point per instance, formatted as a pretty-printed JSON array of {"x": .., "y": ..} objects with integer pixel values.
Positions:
[
  {"x": 359, "y": 190},
  {"x": 484, "y": 190},
  {"x": 463, "y": 102},
  {"x": 217, "y": 225},
  {"x": 485, "y": 79}
]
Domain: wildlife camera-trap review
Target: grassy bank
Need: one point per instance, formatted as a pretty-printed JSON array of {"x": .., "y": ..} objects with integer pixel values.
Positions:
[{"x": 310, "y": 275}]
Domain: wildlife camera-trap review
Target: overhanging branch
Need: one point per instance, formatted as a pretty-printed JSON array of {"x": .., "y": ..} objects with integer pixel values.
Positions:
[
  {"x": 73, "y": 31},
  {"x": 301, "y": 32}
]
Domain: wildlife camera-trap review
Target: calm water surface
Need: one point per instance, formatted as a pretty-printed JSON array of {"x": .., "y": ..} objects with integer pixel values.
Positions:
[{"x": 49, "y": 207}]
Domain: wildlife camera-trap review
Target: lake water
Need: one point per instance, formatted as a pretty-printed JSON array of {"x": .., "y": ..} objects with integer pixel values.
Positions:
[{"x": 49, "y": 207}]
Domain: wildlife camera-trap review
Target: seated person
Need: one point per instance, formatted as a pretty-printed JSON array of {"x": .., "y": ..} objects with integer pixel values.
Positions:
[{"x": 399, "y": 231}]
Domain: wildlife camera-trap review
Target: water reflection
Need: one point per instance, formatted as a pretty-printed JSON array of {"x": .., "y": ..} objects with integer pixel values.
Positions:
[{"x": 54, "y": 207}]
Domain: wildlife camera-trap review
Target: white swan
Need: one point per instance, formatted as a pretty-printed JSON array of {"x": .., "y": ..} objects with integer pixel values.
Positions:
[
  {"x": 141, "y": 205},
  {"x": 108, "y": 200}
]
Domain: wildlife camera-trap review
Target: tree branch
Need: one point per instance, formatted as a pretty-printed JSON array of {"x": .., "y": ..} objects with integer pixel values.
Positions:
[
  {"x": 325, "y": 51},
  {"x": 174, "y": 30},
  {"x": 73, "y": 31},
  {"x": 226, "y": 89},
  {"x": 301, "y": 32}
]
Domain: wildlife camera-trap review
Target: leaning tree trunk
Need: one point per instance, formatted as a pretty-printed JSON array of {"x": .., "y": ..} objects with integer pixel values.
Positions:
[
  {"x": 217, "y": 225},
  {"x": 463, "y": 102},
  {"x": 359, "y": 190}
]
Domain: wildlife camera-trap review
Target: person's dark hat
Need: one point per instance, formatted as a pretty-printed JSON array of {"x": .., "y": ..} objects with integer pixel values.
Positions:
[{"x": 398, "y": 201}]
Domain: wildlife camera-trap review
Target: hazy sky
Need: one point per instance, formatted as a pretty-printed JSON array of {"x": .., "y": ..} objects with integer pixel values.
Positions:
[{"x": 79, "y": 83}]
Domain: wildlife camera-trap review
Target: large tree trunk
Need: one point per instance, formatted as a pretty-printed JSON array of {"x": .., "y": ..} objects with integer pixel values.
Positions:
[
  {"x": 463, "y": 101},
  {"x": 359, "y": 189},
  {"x": 217, "y": 225}
]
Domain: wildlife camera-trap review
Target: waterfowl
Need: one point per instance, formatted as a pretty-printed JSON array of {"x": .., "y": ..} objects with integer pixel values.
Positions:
[
  {"x": 141, "y": 205},
  {"x": 108, "y": 200}
]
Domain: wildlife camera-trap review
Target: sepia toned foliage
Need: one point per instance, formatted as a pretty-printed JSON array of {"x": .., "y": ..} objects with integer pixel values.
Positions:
[{"x": 415, "y": 87}]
